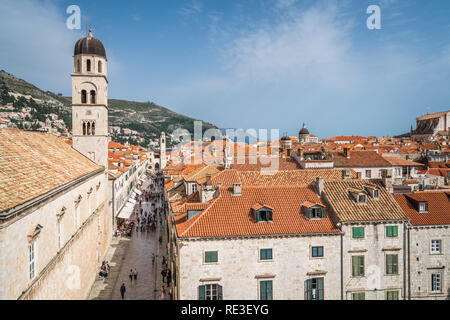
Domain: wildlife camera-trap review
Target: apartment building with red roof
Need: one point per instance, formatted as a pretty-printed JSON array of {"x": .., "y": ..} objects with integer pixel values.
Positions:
[{"x": 428, "y": 243}]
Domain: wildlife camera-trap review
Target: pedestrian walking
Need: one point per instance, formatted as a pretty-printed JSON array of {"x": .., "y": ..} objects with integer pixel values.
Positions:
[
  {"x": 163, "y": 292},
  {"x": 122, "y": 291},
  {"x": 135, "y": 275},
  {"x": 131, "y": 275},
  {"x": 153, "y": 259}
]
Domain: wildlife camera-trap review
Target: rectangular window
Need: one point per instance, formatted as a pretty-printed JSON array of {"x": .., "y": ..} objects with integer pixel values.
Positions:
[
  {"x": 32, "y": 260},
  {"x": 392, "y": 295},
  {"x": 423, "y": 207},
  {"x": 317, "y": 252},
  {"x": 210, "y": 292},
  {"x": 368, "y": 174},
  {"x": 314, "y": 289},
  {"x": 391, "y": 231},
  {"x": 436, "y": 282},
  {"x": 211, "y": 256},
  {"x": 358, "y": 232},
  {"x": 358, "y": 266},
  {"x": 392, "y": 264},
  {"x": 435, "y": 246},
  {"x": 358, "y": 296},
  {"x": 266, "y": 290},
  {"x": 265, "y": 254},
  {"x": 317, "y": 213}
]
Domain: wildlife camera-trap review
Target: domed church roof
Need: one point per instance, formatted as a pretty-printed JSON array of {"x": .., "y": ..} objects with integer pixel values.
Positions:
[
  {"x": 304, "y": 130},
  {"x": 89, "y": 45}
]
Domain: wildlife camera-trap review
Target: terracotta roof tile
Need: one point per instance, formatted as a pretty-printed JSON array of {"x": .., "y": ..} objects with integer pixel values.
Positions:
[
  {"x": 230, "y": 215},
  {"x": 438, "y": 207},
  {"x": 34, "y": 163}
]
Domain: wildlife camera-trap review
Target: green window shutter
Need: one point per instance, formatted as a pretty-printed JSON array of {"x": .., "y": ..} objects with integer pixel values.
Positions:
[
  {"x": 361, "y": 232},
  {"x": 354, "y": 266},
  {"x": 308, "y": 288},
  {"x": 201, "y": 293},
  {"x": 269, "y": 290},
  {"x": 220, "y": 292},
  {"x": 320, "y": 287},
  {"x": 395, "y": 231},
  {"x": 395, "y": 264},
  {"x": 358, "y": 232},
  {"x": 388, "y": 231},
  {"x": 361, "y": 259},
  {"x": 388, "y": 264},
  {"x": 355, "y": 232}
]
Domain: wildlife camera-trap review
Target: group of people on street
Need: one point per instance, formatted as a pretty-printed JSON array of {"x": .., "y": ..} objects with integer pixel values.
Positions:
[
  {"x": 147, "y": 219},
  {"x": 104, "y": 269}
]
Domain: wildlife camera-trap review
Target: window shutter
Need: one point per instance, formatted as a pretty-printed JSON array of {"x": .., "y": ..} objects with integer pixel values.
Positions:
[
  {"x": 269, "y": 290},
  {"x": 308, "y": 287},
  {"x": 388, "y": 231},
  {"x": 388, "y": 264},
  {"x": 262, "y": 290},
  {"x": 320, "y": 285},
  {"x": 355, "y": 233},
  {"x": 201, "y": 293},
  {"x": 395, "y": 263},
  {"x": 361, "y": 271},
  {"x": 361, "y": 232},
  {"x": 395, "y": 231},
  {"x": 219, "y": 288}
]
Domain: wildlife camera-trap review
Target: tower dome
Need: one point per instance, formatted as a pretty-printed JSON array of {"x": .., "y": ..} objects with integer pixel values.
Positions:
[
  {"x": 304, "y": 130},
  {"x": 90, "y": 45}
]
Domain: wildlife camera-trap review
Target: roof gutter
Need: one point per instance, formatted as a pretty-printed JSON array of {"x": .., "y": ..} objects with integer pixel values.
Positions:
[{"x": 17, "y": 209}]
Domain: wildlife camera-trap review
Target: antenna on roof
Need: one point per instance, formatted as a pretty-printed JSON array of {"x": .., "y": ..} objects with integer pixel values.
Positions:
[{"x": 428, "y": 110}]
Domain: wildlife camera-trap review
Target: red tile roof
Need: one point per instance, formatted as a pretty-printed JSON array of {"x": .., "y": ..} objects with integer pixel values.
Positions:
[
  {"x": 230, "y": 215},
  {"x": 438, "y": 207}
]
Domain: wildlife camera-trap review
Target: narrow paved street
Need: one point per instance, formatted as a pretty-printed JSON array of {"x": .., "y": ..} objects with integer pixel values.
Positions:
[{"x": 134, "y": 253}]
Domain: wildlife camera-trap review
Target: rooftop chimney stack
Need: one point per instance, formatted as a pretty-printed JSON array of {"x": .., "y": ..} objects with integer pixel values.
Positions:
[
  {"x": 347, "y": 153},
  {"x": 237, "y": 189},
  {"x": 319, "y": 185}
]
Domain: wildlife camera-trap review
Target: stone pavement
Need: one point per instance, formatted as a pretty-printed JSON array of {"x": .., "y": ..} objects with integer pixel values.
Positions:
[{"x": 130, "y": 253}]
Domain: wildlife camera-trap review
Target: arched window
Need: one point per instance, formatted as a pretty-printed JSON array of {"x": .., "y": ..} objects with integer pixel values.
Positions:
[
  {"x": 83, "y": 96},
  {"x": 93, "y": 128},
  {"x": 99, "y": 67},
  {"x": 88, "y": 65},
  {"x": 84, "y": 128},
  {"x": 88, "y": 128},
  {"x": 78, "y": 66},
  {"x": 92, "y": 96}
]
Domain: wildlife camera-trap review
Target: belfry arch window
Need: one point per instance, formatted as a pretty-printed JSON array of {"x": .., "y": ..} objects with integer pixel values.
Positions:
[
  {"x": 99, "y": 67},
  {"x": 93, "y": 101},
  {"x": 78, "y": 66},
  {"x": 88, "y": 128},
  {"x": 88, "y": 65},
  {"x": 83, "y": 96}
]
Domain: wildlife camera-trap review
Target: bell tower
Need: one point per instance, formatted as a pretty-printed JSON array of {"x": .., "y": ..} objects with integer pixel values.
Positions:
[
  {"x": 90, "y": 100},
  {"x": 162, "y": 145}
]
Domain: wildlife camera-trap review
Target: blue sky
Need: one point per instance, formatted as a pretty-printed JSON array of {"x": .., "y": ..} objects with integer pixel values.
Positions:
[{"x": 250, "y": 64}]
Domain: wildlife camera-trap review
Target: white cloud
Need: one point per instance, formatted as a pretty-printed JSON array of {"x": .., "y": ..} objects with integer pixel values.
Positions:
[
  {"x": 195, "y": 7},
  {"x": 35, "y": 43},
  {"x": 310, "y": 45}
]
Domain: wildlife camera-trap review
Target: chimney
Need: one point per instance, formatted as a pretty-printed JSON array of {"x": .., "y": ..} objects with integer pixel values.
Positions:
[
  {"x": 347, "y": 153},
  {"x": 347, "y": 173},
  {"x": 237, "y": 189},
  {"x": 319, "y": 185},
  {"x": 208, "y": 179}
]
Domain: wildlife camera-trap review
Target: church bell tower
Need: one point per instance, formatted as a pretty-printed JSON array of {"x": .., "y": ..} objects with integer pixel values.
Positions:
[{"x": 90, "y": 100}]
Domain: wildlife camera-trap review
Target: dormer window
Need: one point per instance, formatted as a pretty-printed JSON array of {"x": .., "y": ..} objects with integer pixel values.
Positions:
[
  {"x": 373, "y": 191},
  {"x": 262, "y": 213},
  {"x": 361, "y": 198},
  {"x": 423, "y": 207},
  {"x": 314, "y": 210}
]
